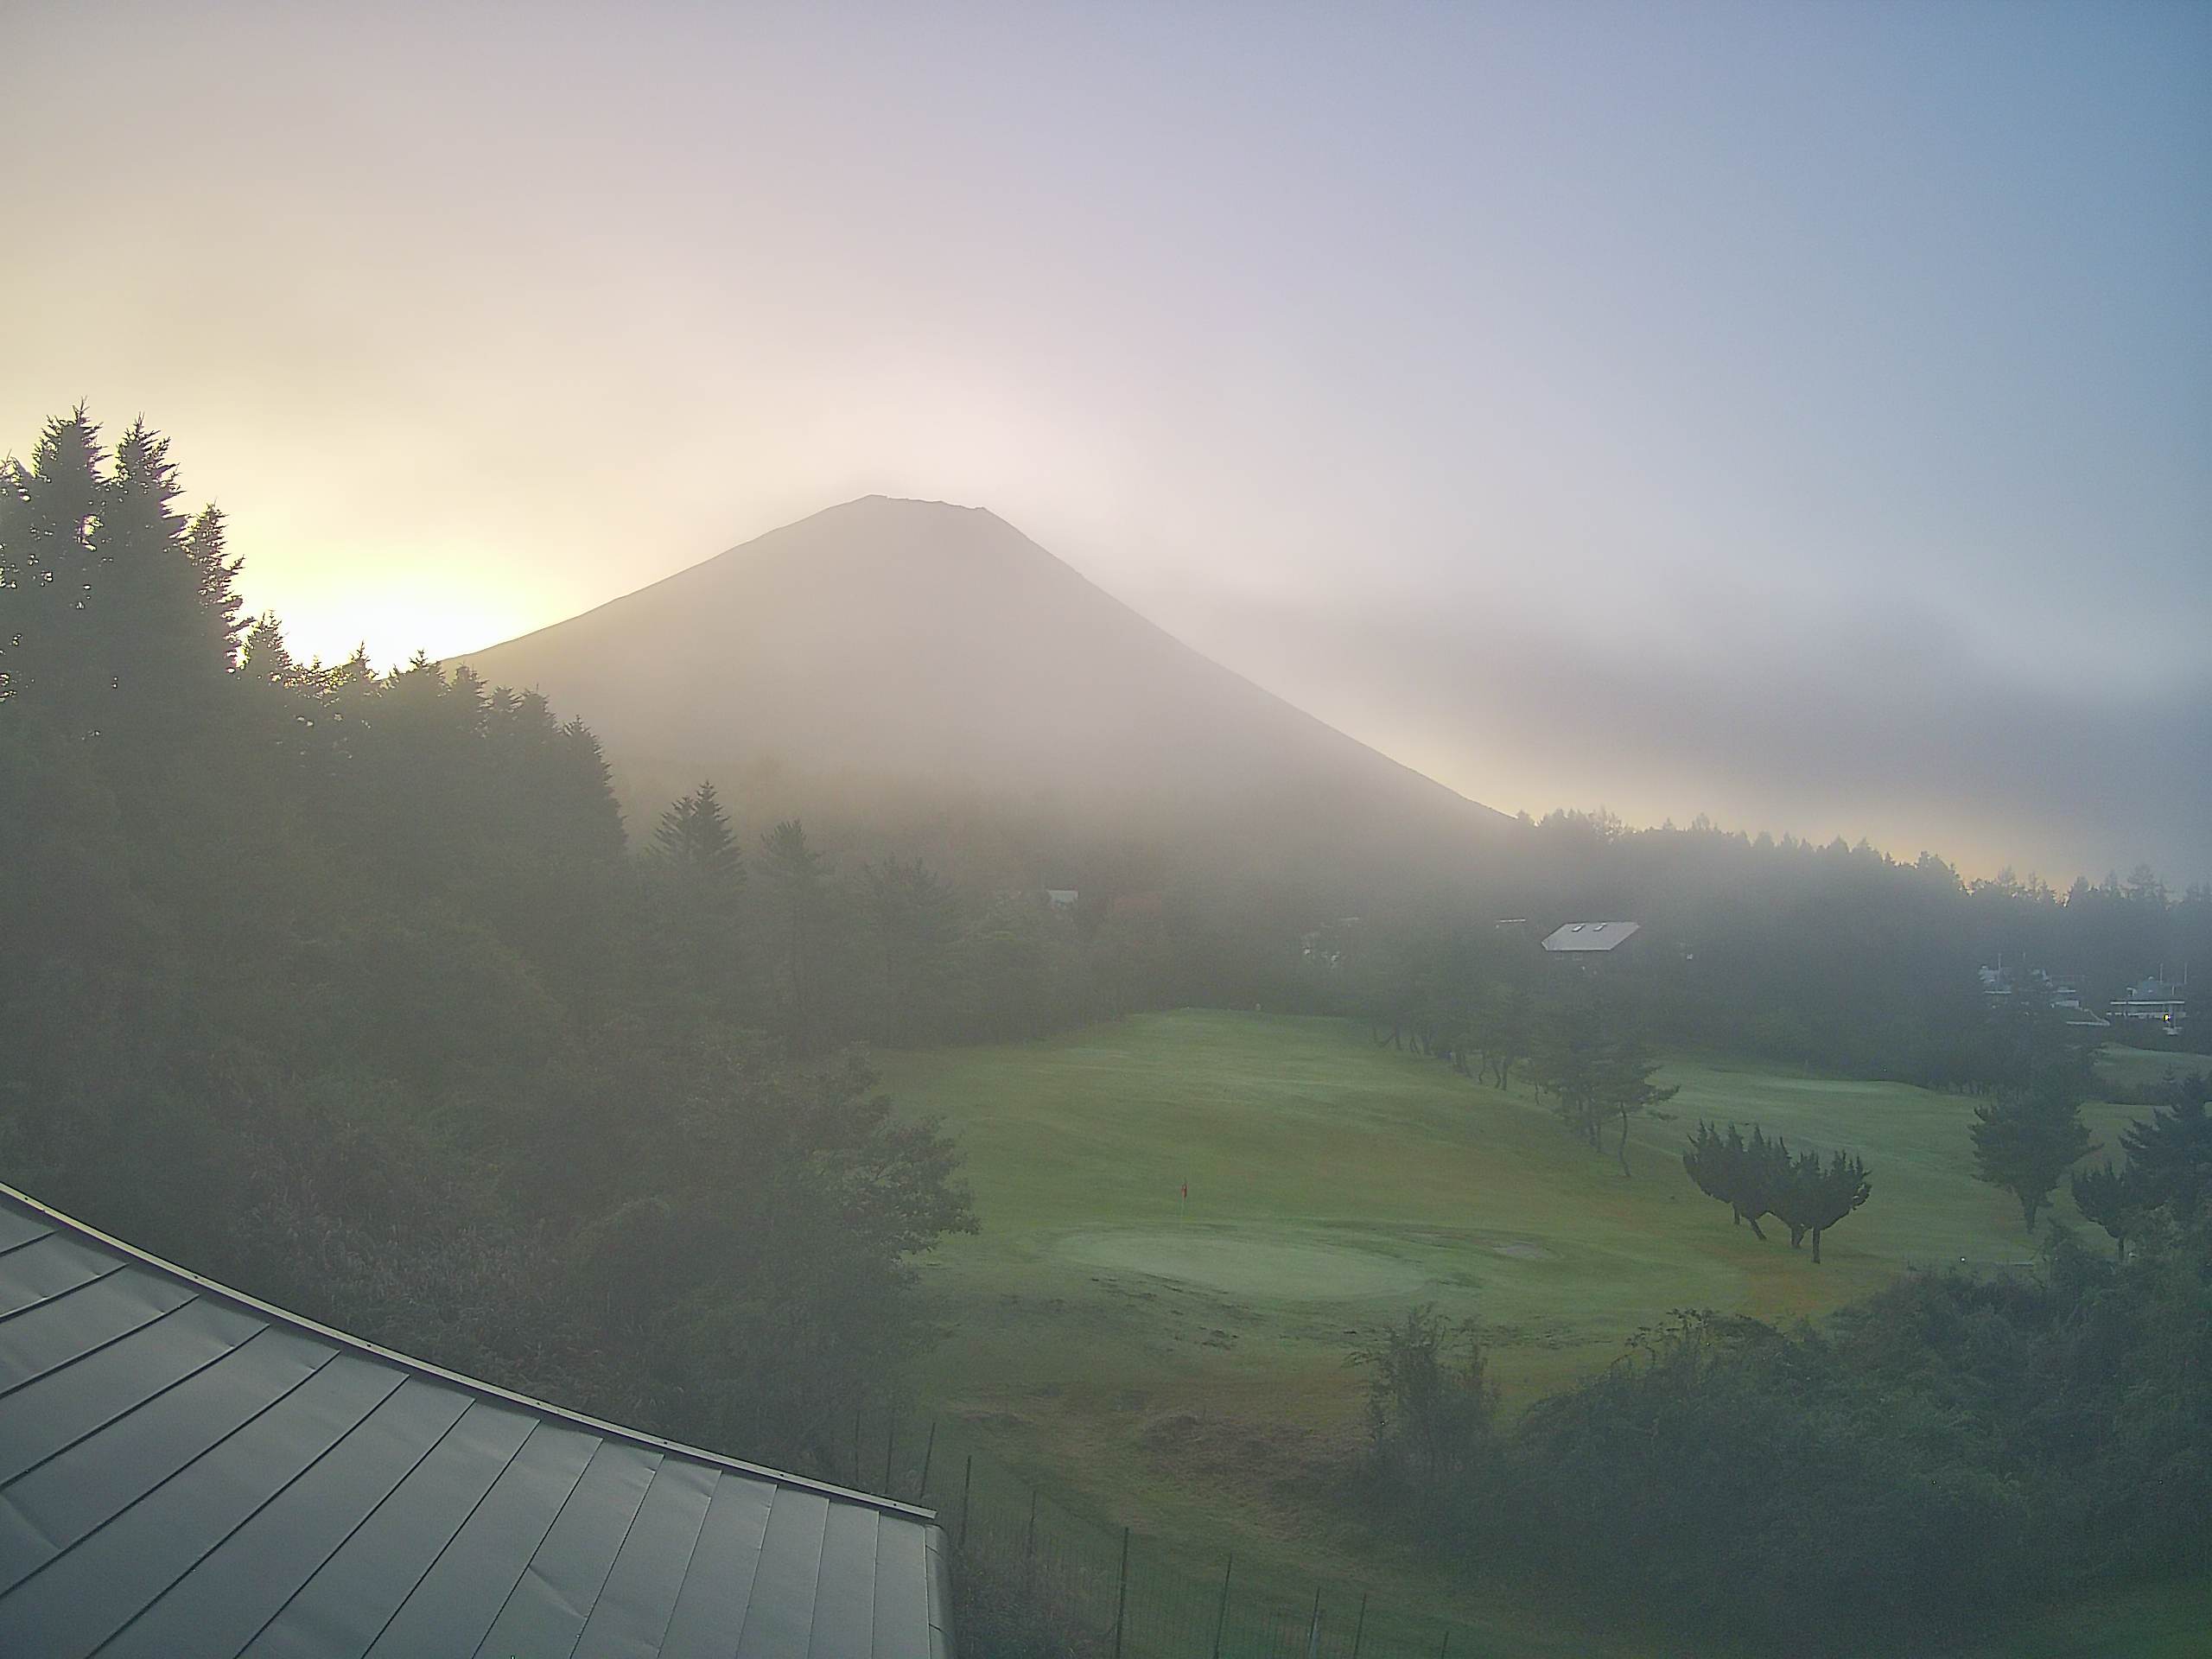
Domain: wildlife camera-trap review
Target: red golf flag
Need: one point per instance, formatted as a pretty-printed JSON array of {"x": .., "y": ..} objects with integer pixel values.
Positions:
[{"x": 1186, "y": 1189}]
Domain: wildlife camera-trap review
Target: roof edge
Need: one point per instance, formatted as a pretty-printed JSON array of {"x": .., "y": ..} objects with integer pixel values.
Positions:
[{"x": 470, "y": 1384}]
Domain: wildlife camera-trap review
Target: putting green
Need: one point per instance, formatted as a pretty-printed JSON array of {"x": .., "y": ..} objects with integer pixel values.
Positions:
[{"x": 1244, "y": 1266}]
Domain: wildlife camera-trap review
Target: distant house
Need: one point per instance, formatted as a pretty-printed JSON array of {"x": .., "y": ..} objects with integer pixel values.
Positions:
[
  {"x": 189, "y": 1471},
  {"x": 2154, "y": 1001},
  {"x": 2063, "y": 987},
  {"x": 1061, "y": 898},
  {"x": 1590, "y": 939}
]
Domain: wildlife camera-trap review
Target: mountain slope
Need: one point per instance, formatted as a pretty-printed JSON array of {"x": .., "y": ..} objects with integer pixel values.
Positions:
[{"x": 915, "y": 648}]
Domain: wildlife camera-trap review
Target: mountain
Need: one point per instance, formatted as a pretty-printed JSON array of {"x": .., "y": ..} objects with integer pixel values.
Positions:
[{"x": 916, "y": 652}]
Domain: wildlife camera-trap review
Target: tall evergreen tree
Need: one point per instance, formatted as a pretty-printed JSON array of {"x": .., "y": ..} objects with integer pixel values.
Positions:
[
  {"x": 154, "y": 658},
  {"x": 2169, "y": 1154},
  {"x": 48, "y": 512},
  {"x": 694, "y": 838},
  {"x": 214, "y": 583},
  {"x": 2110, "y": 1197},
  {"x": 2028, "y": 1140}
]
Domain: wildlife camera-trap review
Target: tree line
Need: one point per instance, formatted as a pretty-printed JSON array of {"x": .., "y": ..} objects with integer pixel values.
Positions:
[
  {"x": 347, "y": 987},
  {"x": 1836, "y": 957}
]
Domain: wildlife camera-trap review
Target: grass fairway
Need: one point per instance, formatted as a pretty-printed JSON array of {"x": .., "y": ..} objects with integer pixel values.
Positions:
[{"x": 1181, "y": 1368}]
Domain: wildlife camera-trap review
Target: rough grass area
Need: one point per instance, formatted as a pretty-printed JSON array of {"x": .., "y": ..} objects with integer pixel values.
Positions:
[
  {"x": 1179, "y": 1367},
  {"x": 2143, "y": 1067}
]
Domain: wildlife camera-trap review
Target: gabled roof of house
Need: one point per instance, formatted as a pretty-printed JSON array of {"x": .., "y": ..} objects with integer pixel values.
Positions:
[
  {"x": 185, "y": 1471},
  {"x": 1591, "y": 936}
]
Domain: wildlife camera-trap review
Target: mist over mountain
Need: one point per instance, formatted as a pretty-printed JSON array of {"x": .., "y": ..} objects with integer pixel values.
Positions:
[{"x": 913, "y": 651}]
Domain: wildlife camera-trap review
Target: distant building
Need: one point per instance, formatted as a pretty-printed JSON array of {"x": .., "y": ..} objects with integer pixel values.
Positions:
[
  {"x": 1061, "y": 898},
  {"x": 1591, "y": 938},
  {"x": 2154, "y": 1001},
  {"x": 2063, "y": 989}
]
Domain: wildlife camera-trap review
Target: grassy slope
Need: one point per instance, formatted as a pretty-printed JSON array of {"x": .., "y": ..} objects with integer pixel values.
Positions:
[{"x": 1183, "y": 1371}]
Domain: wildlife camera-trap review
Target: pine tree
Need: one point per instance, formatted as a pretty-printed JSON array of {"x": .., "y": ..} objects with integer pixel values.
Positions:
[
  {"x": 1566, "y": 1062},
  {"x": 2111, "y": 1197},
  {"x": 2169, "y": 1154},
  {"x": 214, "y": 583},
  {"x": 1814, "y": 1196},
  {"x": 694, "y": 838},
  {"x": 264, "y": 658},
  {"x": 1624, "y": 1086},
  {"x": 48, "y": 512},
  {"x": 154, "y": 658},
  {"x": 1748, "y": 1176},
  {"x": 591, "y": 816},
  {"x": 2029, "y": 1139}
]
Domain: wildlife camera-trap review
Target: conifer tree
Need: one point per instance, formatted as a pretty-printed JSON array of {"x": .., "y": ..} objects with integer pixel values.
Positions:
[
  {"x": 1747, "y": 1176},
  {"x": 47, "y": 514},
  {"x": 214, "y": 581},
  {"x": 2169, "y": 1154},
  {"x": 1566, "y": 1062},
  {"x": 264, "y": 658},
  {"x": 694, "y": 838},
  {"x": 154, "y": 657},
  {"x": 2029, "y": 1139},
  {"x": 2111, "y": 1197},
  {"x": 1624, "y": 1087},
  {"x": 591, "y": 816},
  {"x": 1814, "y": 1196}
]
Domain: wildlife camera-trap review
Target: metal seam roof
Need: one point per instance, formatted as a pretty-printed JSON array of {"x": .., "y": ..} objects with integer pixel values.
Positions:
[
  {"x": 186, "y": 1470},
  {"x": 1590, "y": 936}
]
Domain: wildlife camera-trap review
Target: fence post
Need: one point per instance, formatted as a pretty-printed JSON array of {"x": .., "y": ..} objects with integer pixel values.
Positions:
[
  {"x": 928, "y": 1452},
  {"x": 968, "y": 1491},
  {"x": 1314, "y": 1627},
  {"x": 1359, "y": 1631},
  {"x": 890, "y": 1439},
  {"x": 1122, "y": 1595},
  {"x": 1221, "y": 1619}
]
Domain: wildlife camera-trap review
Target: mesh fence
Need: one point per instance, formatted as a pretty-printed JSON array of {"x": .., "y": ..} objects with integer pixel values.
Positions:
[{"x": 1135, "y": 1596}]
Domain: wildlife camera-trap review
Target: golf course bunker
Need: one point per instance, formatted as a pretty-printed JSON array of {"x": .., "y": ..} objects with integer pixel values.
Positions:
[{"x": 1280, "y": 1268}]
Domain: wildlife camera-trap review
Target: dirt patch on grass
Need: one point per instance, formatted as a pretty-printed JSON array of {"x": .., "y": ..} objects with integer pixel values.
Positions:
[{"x": 1278, "y": 1268}]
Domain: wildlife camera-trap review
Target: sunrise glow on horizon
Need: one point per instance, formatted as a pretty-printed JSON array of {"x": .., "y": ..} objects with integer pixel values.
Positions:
[{"x": 1795, "y": 395}]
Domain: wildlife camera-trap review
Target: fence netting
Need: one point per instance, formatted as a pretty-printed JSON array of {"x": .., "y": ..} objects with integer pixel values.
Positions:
[{"x": 1139, "y": 1598}]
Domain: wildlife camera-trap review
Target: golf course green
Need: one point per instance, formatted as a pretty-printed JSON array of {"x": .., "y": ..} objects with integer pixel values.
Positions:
[{"x": 1178, "y": 1364}]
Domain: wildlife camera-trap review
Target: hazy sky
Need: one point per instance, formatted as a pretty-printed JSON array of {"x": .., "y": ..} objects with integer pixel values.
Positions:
[{"x": 1798, "y": 413}]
